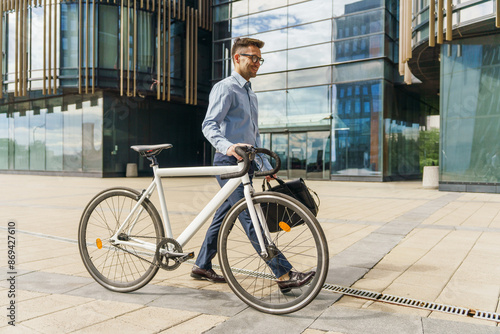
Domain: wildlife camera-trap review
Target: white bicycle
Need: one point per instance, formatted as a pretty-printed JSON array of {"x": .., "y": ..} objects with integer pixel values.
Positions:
[{"x": 123, "y": 241}]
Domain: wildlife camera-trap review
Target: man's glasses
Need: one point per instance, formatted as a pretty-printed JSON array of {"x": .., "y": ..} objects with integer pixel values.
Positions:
[{"x": 254, "y": 58}]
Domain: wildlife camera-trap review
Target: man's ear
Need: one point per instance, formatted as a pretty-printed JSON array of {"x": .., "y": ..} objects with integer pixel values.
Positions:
[{"x": 237, "y": 58}]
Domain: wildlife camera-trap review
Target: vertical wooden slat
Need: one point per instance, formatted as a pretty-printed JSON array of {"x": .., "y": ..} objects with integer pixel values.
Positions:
[
  {"x": 87, "y": 26},
  {"x": 449, "y": 20},
  {"x": 191, "y": 48},
  {"x": 94, "y": 46},
  {"x": 16, "y": 9},
  {"x": 49, "y": 46},
  {"x": 195, "y": 70},
  {"x": 402, "y": 36},
  {"x": 25, "y": 47},
  {"x": 497, "y": 19},
  {"x": 121, "y": 48},
  {"x": 1, "y": 48},
  {"x": 164, "y": 77},
  {"x": 21, "y": 42},
  {"x": 54, "y": 88},
  {"x": 440, "y": 22},
  {"x": 158, "y": 60},
  {"x": 168, "y": 49},
  {"x": 432, "y": 23},
  {"x": 187, "y": 58},
  {"x": 135, "y": 47},
  {"x": 80, "y": 43},
  {"x": 127, "y": 36},
  {"x": 44, "y": 47},
  {"x": 408, "y": 29}
]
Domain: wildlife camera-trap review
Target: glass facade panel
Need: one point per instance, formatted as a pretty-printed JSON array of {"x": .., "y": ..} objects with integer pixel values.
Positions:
[
  {"x": 21, "y": 140},
  {"x": 4, "y": 140},
  {"x": 470, "y": 106},
  {"x": 359, "y": 71},
  {"x": 239, "y": 8},
  {"x": 145, "y": 47},
  {"x": 275, "y": 40},
  {"x": 474, "y": 12},
  {"x": 37, "y": 43},
  {"x": 361, "y": 24},
  {"x": 269, "y": 82},
  {"x": 37, "y": 139},
  {"x": 54, "y": 139},
  {"x": 308, "y": 34},
  {"x": 92, "y": 135},
  {"x": 279, "y": 145},
  {"x": 344, "y": 7},
  {"x": 72, "y": 146},
  {"x": 239, "y": 27},
  {"x": 301, "y": 58},
  {"x": 309, "y": 11},
  {"x": 108, "y": 37},
  {"x": 310, "y": 77},
  {"x": 308, "y": 105},
  {"x": 318, "y": 155},
  {"x": 269, "y": 20},
  {"x": 222, "y": 50},
  {"x": 297, "y": 154},
  {"x": 359, "y": 48},
  {"x": 356, "y": 128},
  {"x": 69, "y": 35},
  {"x": 275, "y": 62},
  {"x": 272, "y": 109},
  {"x": 260, "y": 5}
]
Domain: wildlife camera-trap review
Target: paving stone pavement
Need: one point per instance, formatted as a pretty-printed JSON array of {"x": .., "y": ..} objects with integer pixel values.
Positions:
[{"x": 393, "y": 238}]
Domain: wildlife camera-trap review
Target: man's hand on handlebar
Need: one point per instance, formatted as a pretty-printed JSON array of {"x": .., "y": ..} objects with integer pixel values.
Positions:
[{"x": 231, "y": 150}]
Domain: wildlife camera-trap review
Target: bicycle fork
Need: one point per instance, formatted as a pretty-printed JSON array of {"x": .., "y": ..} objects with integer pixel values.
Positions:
[{"x": 257, "y": 217}]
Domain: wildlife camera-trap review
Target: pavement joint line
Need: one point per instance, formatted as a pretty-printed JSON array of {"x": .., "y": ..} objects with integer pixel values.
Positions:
[{"x": 43, "y": 235}]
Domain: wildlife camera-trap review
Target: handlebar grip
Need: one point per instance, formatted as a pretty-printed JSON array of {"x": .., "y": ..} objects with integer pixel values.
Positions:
[
  {"x": 246, "y": 164},
  {"x": 274, "y": 156}
]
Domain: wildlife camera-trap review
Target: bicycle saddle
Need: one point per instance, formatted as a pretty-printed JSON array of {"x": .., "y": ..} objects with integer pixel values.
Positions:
[{"x": 150, "y": 150}]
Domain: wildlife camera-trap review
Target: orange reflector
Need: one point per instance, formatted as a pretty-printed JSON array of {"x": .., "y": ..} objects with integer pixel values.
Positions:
[
  {"x": 98, "y": 242},
  {"x": 284, "y": 226}
]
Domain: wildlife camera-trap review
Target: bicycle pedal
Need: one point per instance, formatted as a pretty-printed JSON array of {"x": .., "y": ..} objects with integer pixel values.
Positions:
[{"x": 186, "y": 257}]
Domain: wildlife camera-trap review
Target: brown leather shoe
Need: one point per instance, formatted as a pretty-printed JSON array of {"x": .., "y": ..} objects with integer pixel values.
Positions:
[
  {"x": 296, "y": 280},
  {"x": 208, "y": 275}
]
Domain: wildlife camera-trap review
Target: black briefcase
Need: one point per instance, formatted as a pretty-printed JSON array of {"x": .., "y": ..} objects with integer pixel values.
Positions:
[{"x": 276, "y": 213}]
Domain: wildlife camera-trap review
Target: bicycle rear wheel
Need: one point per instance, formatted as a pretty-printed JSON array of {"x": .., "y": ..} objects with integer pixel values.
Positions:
[
  {"x": 304, "y": 246},
  {"x": 121, "y": 268}
]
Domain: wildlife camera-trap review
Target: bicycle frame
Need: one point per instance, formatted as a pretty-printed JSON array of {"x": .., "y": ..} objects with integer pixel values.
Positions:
[{"x": 205, "y": 213}]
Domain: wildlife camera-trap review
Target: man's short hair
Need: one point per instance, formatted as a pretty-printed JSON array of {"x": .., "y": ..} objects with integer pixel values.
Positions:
[{"x": 240, "y": 43}]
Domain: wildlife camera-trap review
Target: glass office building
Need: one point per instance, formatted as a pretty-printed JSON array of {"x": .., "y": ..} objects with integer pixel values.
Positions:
[
  {"x": 331, "y": 102},
  {"x": 456, "y": 57},
  {"x": 82, "y": 81}
]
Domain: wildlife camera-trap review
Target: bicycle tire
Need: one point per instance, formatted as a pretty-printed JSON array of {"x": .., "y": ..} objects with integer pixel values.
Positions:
[
  {"x": 247, "y": 273},
  {"x": 118, "y": 268}
]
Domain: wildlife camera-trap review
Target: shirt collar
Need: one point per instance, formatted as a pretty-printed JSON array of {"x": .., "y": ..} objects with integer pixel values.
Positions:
[{"x": 241, "y": 81}]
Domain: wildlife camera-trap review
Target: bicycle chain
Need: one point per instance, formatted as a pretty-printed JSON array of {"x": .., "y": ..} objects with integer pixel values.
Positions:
[
  {"x": 140, "y": 257},
  {"x": 158, "y": 263}
]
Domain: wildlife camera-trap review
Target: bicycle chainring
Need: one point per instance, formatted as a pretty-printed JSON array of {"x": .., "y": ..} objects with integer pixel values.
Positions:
[{"x": 163, "y": 261}]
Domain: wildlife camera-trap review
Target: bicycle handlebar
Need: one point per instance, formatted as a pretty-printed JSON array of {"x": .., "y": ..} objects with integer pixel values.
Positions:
[{"x": 248, "y": 154}]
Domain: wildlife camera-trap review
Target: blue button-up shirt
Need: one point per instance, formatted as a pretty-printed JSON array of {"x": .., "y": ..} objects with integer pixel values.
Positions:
[{"x": 232, "y": 116}]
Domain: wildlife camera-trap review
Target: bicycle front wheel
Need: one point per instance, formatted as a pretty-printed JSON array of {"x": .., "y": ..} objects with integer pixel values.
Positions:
[
  {"x": 119, "y": 267},
  {"x": 300, "y": 245}
]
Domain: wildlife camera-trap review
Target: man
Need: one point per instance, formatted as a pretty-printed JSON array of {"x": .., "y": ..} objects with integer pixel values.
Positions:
[{"x": 231, "y": 121}]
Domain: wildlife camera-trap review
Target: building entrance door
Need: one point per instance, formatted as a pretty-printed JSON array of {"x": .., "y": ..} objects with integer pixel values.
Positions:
[{"x": 302, "y": 154}]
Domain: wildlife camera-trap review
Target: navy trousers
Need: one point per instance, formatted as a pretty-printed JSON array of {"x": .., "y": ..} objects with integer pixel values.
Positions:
[{"x": 279, "y": 264}]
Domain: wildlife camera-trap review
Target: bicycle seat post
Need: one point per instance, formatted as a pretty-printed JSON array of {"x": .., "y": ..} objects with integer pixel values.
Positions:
[{"x": 154, "y": 161}]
